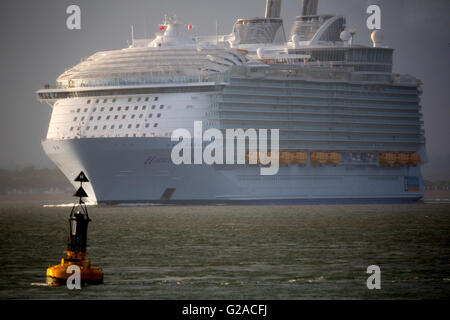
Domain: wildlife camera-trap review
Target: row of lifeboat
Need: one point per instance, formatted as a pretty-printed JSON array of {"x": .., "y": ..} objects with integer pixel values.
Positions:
[
  {"x": 300, "y": 158},
  {"x": 402, "y": 159},
  {"x": 328, "y": 158}
]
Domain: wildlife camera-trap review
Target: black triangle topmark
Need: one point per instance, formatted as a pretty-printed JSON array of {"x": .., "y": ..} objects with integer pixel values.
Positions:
[{"x": 81, "y": 177}]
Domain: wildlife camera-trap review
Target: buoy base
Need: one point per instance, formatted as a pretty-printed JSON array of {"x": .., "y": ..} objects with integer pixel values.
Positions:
[{"x": 57, "y": 275}]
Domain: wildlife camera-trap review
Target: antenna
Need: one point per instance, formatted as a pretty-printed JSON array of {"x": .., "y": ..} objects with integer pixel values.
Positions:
[
  {"x": 132, "y": 34},
  {"x": 217, "y": 31}
]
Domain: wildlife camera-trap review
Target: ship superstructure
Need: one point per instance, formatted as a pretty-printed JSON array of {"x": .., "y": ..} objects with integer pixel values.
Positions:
[{"x": 350, "y": 130}]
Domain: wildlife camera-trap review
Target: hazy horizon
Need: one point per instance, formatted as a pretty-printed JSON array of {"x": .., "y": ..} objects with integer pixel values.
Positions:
[{"x": 38, "y": 48}]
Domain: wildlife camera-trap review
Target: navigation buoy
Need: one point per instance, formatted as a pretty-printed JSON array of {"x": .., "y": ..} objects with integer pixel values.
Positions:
[{"x": 76, "y": 246}]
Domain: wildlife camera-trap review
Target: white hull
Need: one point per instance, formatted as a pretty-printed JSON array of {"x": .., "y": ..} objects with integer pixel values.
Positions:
[{"x": 132, "y": 170}]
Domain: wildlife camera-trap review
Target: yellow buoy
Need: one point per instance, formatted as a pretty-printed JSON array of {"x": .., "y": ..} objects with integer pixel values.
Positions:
[
  {"x": 58, "y": 274},
  {"x": 76, "y": 246}
]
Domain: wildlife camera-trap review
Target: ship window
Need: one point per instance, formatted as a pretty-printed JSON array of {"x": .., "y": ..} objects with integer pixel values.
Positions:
[
  {"x": 108, "y": 117},
  {"x": 97, "y": 101},
  {"x": 82, "y": 118},
  {"x": 139, "y": 99},
  {"x": 129, "y": 126},
  {"x": 91, "y": 118},
  {"x": 89, "y": 101},
  {"x": 129, "y": 99},
  {"x": 102, "y": 109},
  {"x": 115, "y": 117},
  {"x": 95, "y": 109},
  {"x": 136, "y": 107},
  {"x": 159, "y": 115},
  {"x": 161, "y": 107},
  {"x": 104, "y": 127},
  {"x": 155, "y": 125},
  {"x": 143, "y": 134},
  {"x": 75, "y": 119},
  {"x": 78, "y": 110},
  {"x": 120, "y": 126},
  {"x": 126, "y": 135},
  {"x": 119, "y": 108},
  {"x": 144, "y": 107},
  {"x": 147, "y": 125},
  {"x": 99, "y": 118},
  {"x": 140, "y": 116},
  {"x": 189, "y": 107},
  {"x": 127, "y": 108},
  {"x": 132, "y": 117},
  {"x": 134, "y": 134},
  {"x": 85, "y": 109},
  {"x": 114, "y": 100},
  {"x": 95, "y": 127},
  {"x": 124, "y": 116},
  {"x": 112, "y": 127},
  {"x": 137, "y": 126},
  {"x": 71, "y": 128},
  {"x": 150, "y": 115},
  {"x": 156, "y": 98},
  {"x": 87, "y": 128},
  {"x": 146, "y": 99},
  {"x": 105, "y": 101},
  {"x": 153, "y": 107},
  {"x": 111, "y": 109}
]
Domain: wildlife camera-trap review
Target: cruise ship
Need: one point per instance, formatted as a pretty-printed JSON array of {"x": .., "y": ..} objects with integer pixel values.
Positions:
[{"x": 350, "y": 130}]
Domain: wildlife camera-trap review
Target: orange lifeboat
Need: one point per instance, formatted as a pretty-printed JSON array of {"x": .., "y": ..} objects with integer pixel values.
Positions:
[
  {"x": 414, "y": 159},
  {"x": 388, "y": 158},
  {"x": 301, "y": 158},
  {"x": 403, "y": 159},
  {"x": 286, "y": 158},
  {"x": 334, "y": 158},
  {"x": 252, "y": 157},
  {"x": 319, "y": 158}
]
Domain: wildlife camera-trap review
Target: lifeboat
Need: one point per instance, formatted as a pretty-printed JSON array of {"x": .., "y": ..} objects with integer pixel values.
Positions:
[
  {"x": 264, "y": 157},
  {"x": 286, "y": 158},
  {"x": 403, "y": 159},
  {"x": 414, "y": 159},
  {"x": 301, "y": 158},
  {"x": 319, "y": 158},
  {"x": 252, "y": 157},
  {"x": 388, "y": 158},
  {"x": 334, "y": 158}
]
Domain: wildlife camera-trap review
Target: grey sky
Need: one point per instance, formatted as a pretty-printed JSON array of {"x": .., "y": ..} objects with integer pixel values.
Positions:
[{"x": 37, "y": 48}]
